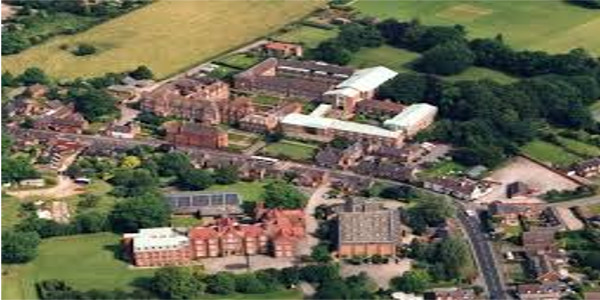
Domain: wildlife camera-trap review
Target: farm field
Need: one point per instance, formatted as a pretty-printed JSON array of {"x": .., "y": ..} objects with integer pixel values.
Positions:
[
  {"x": 96, "y": 266},
  {"x": 292, "y": 149},
  {"x": 523, "y": 24},
  {"x": 309, "y": 36},
  {"x": 167, "y": 36},
  {"x": 399, "y": 60},
  {"x": 550, "y": 153}
]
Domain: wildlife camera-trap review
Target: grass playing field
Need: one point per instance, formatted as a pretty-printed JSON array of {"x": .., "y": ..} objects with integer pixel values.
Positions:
[
  {"x": 84, "y": 261},
  {"x": 168, "y": 36},
  {"x": 250, "y": 191},
  {"x": 400, "y": 59},
  {"x": 550, "y": 25}
]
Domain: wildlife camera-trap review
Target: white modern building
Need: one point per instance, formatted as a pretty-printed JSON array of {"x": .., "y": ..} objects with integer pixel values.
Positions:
[{"x": 413, "y": 119}]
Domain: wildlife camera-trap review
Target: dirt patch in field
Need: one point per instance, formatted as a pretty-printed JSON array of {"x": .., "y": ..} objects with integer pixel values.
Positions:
[
  {"x": 535, "y": 176},
  {"x": 464, "y": 12}
]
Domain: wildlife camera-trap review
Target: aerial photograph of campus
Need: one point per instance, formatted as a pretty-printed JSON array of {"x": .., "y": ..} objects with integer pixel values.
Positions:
[{"x": 300, "y": 149}]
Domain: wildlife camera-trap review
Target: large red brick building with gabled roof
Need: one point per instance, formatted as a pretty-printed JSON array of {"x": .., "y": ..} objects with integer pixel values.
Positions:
[
  {"x": 276, "y": 233},
  {"x": 196, "y": 135}
]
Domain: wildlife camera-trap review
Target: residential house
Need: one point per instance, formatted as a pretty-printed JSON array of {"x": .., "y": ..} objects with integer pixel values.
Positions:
[
  {"x": 459, "y": 187},
  {"x": 351, "y": 184},
  {"x": 196, "y": 135},
  {"x": 310, "y": 177},
  {"x": 588, "y": 168},
  {"x": 537, "y": 291},
  {"x": 509, "y": 213},
  {"x": 62, "y": 119},
  {"x": 282, "y": 49},
  {"x": 36, "y": 91},
  {"x": 265, "y": 122},
  {"x": 539, "y": 240},
  {"x": 125, "y": 131},
  {"x": 450, "y": 294},
  {"x": 543, "y": 268}
]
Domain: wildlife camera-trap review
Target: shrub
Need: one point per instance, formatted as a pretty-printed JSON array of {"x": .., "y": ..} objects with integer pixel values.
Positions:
[{"x": 84, "y": 49}]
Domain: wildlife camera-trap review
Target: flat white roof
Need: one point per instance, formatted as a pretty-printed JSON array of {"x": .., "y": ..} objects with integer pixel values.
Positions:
[
  {"x": 328, "y": 123},
  {"x": 368, "y": 79},
  {"x": 157, "y": 239},
  {"x": 321, "y": 110},
  {"x": 348, "y": 92},
  {"x": 411, "y": 115}
]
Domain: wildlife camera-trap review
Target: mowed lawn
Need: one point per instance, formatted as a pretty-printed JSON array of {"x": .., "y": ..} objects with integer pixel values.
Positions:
[
  {"x": 400, "y": 59},
  {"x": 551, "y": 25},
  {"x": 549, "y": 153},
  {"x": 250, "y": 191},
  {"x": 307, "y": 35},
  {"x": 168, "y": 36},
  {"x": 291, "y": 149},
  {"x": 83, "y": 261}
]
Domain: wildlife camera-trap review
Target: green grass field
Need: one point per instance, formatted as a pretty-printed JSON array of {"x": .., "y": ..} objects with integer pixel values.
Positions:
[
  {"x": 10, "y": 211},
  {"x": 307, "y": 35},
  {"x": 292, "y": 149},
  {"x": 168, "y": 36},
  {"x": 550, "y": 153},
  {"x": 250, "y": 191},
  {"x": 84, "y": 261},
  {"x": 400, "y": 59},
  {"x": 553, "y": 25},
  {"x": 443, "y": 168},
  {"x": 240, "y": 60},
  {"x": 579, "y": 148}
]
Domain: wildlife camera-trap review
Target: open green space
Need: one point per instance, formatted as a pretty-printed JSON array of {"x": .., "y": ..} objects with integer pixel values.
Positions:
[
  {"x": 291, "y": 149},
  {"x": 240, "y": 60},
  {"x": 54, "y": 23},
  {"x": 83, "y": 261},
  {"x": 307, "y": 35},
  {"x": 443, "y": 168},
  {"x": 263, "y": 99},
  {"x": 549, "y": 153},
  {"x": 167, "y": 36},
  {"x": 10, "y": 211},
  {"x": 578, "y": 240},
  {"x": 579, "y": 148},
  {"x": 250, "y": 191},
  {"x": 399, "y": 60},
  {"x": 554, "y": 26}
]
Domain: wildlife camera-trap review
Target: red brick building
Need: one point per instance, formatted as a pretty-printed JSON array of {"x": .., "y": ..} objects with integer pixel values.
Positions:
[
  {"x": 276, "y": 233},
  {"x": 282, "y": 49},
  {"x": 62, "y": 119},
  {"x": 196, "y": 135}
]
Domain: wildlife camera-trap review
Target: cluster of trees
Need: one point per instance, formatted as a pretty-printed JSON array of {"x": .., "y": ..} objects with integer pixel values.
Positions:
[
  {"x": 446, "y": 260},
  {"x": 21, "y": 31},
  {"x": 429, "y": 212},
  {"x": 191, "y": 283},
  {"x": 594, "y": 4},
  {"x": 280, "y": 194},
  {"x": 15, "y": 168},
  {"x": 351, "y": 38}
]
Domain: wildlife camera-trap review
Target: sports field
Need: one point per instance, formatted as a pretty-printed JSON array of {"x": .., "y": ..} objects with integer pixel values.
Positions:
[
  {"x": 549, "y": 25},
  {"x": 168, "y": 36},
  {"x": 309, "y": 36}
]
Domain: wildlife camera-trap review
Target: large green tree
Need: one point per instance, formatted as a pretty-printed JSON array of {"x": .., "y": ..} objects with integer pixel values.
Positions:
[
  {"x": 446, "y": 59},
  {"x": 92, "y": 103},
  {"x": 129, "y": 183},
  {"x": 195, "y": 179},
  {"x": 279, "y": 194},
  {"x": 145, "y": 211},
  {"x": 19, "y": 247},
  {"x": 413, "y": 281},
  {"x": 177, "y": 283},
  {"x": 33, "y": 76}
]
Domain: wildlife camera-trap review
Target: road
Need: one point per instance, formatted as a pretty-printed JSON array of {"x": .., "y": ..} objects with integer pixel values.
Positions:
[
  {"x": 483, "y": 254},
  {"x": 481, "y": 246}
]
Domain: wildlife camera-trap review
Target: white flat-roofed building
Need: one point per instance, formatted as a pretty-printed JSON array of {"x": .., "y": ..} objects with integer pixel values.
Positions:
[
  {"x": 360, "y": 86},
  {"x": 159, "y": 246},
  {"x": 325, "y": 129},
  {"x": 413, "y": 119}
]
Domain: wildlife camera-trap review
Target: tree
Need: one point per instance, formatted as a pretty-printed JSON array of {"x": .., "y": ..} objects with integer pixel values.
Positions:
[
  {"x": 93, "y": 103},
  {"x": 130, "y": 162},
  {"x": 289, "y": 276},
  {"x": 91, "y": 222},
  {"x": 279, "y": 194},
  {"x": 195, "y": 179},
  {"x": 8, "y": 79},
  {"x": 226, "y": 175},
  {"x": 13, "y": 43},
  {"x": 85, "y": 49},
  {"x": 177, "y": 283},
  {"x": 320, "y": 253},
  {"x": 144, "y": 211},
  {"x": 15, "y": 169},
  {"x": 173, "y": 163},
  {"x": 19, "y": 247},
  {"x": 33, "y": 75},
  {"x": 130, "y": 183},
  {"x": 433, "y": 211},
  {"x": 247, "y": 283},
  {"x": 405, "y": 87},
  {"x": 142, "y": 72},
  {"x": 455, "y": 256},
  {"x": 446, "y": 59},
  {"x": 332, "y": 51},
  {"x": 413, "y": 281},
  {"x": 222, "y": 283}
]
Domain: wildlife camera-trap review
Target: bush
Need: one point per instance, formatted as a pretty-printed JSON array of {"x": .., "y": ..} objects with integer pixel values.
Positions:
[
  {"x": 84, "y": 49},
  {"x": 19, "y": 247},
  {"x": 446, "y": 59}
]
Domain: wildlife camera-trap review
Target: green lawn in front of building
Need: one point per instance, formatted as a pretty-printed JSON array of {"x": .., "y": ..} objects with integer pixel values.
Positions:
[{"x": 291, "y": 149}]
